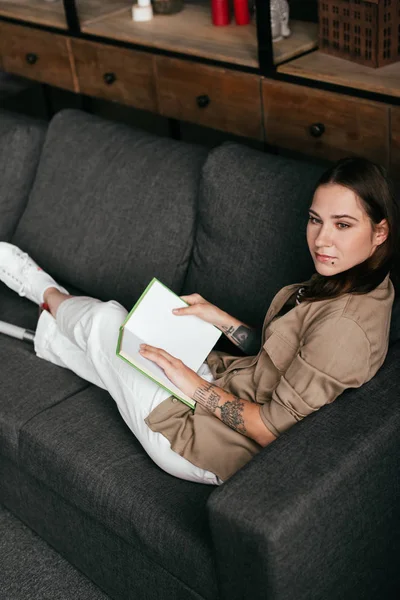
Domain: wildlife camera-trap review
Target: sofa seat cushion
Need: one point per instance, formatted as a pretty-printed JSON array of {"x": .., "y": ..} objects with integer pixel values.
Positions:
[
  {"x": 126, "y": 215},
  {"x": 29, "y": 385},
  {"x": 250, "y": 240},
  {"x": 21, "y": 141},
  {"x": 16, "y": 310},
  {"x": 83, "y": 450}
]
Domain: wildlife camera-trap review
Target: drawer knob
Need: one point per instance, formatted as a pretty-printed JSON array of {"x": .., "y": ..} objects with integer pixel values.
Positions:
[
  {"x": 317, "y": 129},
  {"x": 203, "y": 100},
  {"x": 31, "y": 58},
  {"x": 109, "y": 78}
]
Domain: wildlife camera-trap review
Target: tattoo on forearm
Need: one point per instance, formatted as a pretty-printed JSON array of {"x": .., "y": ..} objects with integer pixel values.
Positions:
[
  {"x": 228, "y": 330},
  {"x": 231, "y": 414},
  {"x": 207, "y": 396},
  {"x": 230, "y": 411},
  {"x": 245, "y": 338}
]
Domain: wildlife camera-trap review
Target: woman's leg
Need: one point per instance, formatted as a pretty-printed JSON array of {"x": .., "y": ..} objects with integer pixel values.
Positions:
[
  {"x": 81, "y": 334},
  {"x": 83, "y": 337}
]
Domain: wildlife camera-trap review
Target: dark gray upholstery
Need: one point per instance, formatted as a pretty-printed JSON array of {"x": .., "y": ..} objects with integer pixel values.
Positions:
[
  {"x": 28, "y": 384},
  {"x": 318, "y": 510},
  {"x": 316, "y": 515},
  {"x": 32, "y": 570},
  {"x": 21, "y": 141},
  {"x": 82, "y": 450},
  {"x": 251, "y": 205},
  {"x": 111, "y": 207},
  {"x": 123, "y": 570}
]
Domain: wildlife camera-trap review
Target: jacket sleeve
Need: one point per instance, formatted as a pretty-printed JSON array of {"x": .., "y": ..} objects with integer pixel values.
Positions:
[{"x": 332, "y": 357}]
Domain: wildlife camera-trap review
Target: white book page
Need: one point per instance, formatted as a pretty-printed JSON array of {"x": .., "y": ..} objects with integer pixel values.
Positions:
[
  {"x": 130, "y": 350},
  {"x": 185, "y": 337}
]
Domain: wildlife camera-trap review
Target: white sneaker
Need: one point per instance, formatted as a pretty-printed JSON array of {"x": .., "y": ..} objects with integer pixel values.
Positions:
[{"x": 20, "y": 273}]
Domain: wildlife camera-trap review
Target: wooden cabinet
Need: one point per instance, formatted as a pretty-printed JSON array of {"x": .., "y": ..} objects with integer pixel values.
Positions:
[
  {"x": 210, "y": 96},
  {"x": 324, "y": 124},
  {"x": 38, "y": 55},
  {"x": 117, "y": 74},
  {"x": 123, "y": 64}
]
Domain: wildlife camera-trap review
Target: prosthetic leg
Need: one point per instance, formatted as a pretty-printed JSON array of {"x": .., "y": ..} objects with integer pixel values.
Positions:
[{"x": 27, "y": 335}]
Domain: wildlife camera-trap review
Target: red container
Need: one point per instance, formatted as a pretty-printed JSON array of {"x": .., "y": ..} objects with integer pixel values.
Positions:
[
  {"x": 220, "y": 12},
  {"x": 242, "y": 13}
]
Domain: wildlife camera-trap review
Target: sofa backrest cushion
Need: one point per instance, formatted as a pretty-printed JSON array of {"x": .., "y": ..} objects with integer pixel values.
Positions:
[
  {"x": 21, "y": 141},
  {"x": 112, "y": 207},
  {"x": 250, "y": 239}
]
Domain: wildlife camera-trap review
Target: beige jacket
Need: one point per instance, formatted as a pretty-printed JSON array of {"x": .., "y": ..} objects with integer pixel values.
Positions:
[{"x": 309, "y": 356}]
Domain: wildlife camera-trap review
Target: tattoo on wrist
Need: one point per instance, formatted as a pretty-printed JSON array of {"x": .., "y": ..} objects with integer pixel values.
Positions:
[
  {"x": 230, "y": 411},
  {"x": 207, "y": 396}
]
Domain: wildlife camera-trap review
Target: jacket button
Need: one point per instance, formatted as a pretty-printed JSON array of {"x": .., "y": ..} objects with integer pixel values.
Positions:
[
  {"x": 174, "y": 400},
  {"x": 234, "y": 371}
]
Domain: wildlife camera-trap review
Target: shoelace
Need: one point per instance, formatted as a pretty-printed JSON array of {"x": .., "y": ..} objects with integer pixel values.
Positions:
[{"x": 25, "y": 257}]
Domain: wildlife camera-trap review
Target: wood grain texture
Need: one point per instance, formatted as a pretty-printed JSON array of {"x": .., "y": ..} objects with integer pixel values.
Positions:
[
  {"x": 322, "y": 67},
  {"x": 352, "y": 126},
  {"x": 234, "y": 98},
  {"x": 189, "y": 31},
  {"x": 132, "y": 71},
  {"x": 72, "y": 65},
  {"x": 303, "y": 39},
  {"x": 52, "y": 64},
  {"x": 35, "y": 11},
  {"x": 90, "y": 11}
]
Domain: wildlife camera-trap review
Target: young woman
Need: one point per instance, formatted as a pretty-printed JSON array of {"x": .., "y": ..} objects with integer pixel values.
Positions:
[{"x": 318, "y": 339}]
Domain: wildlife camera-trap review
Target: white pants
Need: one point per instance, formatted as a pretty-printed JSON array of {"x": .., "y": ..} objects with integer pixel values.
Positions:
[{"x": 83, "y": 338}]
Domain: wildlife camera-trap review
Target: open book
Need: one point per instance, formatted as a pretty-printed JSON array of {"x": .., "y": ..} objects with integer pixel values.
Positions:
[{"x": 151, "y": 321}]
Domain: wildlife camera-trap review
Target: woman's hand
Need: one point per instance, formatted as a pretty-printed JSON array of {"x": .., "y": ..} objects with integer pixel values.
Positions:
[
  {"x": 203, "y": 309},
  {"x": 182, "y": 376},
  {"x": 243, "y": 336}
]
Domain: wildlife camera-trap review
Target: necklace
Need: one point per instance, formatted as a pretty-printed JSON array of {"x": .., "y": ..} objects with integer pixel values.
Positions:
[{"x": 299, "y": 295}]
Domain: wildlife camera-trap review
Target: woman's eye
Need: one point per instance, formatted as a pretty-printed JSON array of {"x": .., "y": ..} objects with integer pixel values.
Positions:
[
  {"x": 313, "y": 220},
  {"x": 343, "y": 225}
]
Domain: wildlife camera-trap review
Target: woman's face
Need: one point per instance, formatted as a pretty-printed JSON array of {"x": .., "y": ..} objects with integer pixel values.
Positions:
[{"x": 339, "y": 232}]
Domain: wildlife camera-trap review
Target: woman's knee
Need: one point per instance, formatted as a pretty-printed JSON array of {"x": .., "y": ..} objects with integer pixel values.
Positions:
[{"x": 107, "y": 319}]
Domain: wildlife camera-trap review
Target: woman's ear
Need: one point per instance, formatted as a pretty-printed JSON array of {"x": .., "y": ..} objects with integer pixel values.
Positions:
[{"x": 381, "y": 232}]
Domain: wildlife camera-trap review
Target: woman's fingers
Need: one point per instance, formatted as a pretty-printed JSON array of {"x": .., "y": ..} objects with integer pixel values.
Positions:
[
  {"x": 193, "y": 299},
  {"x": 186, "y": 310},
  {"x": 152, "y": 352}
]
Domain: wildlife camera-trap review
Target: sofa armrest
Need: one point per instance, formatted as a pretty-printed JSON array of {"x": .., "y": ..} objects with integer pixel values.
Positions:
[{"x": 316, "y": 515}]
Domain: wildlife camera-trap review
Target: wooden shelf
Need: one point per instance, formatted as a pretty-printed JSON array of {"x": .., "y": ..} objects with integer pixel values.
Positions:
[
  {"x": 303, "y": 39},
  {"x": 90, "y": 11},
  {"x": 36, "y": 11},
  {"x": 323, "y": 67},
  {"x": 189, "y": 32}
]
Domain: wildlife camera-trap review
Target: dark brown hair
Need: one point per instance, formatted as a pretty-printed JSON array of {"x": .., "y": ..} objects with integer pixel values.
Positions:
[{"x": 371, "y": 185}]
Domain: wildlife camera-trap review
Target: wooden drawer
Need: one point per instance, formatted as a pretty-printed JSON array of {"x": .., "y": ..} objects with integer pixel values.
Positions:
[
  {"x": 116, "y": 74},
  {"x": 210, "y": 96},
  {"x": 324, "y": 124},
  {"x": 38, "y": 55}
]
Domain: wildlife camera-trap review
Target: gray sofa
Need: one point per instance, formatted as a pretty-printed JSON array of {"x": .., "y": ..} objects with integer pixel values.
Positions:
[{"x": 314, "y": 516}]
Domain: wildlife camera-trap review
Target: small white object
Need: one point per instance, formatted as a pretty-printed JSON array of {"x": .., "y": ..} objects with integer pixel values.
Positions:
[
  {"x": 142, "y": 11},
  {"x": 17, "y": 332},
  {"x": 279, "y": 20}
]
